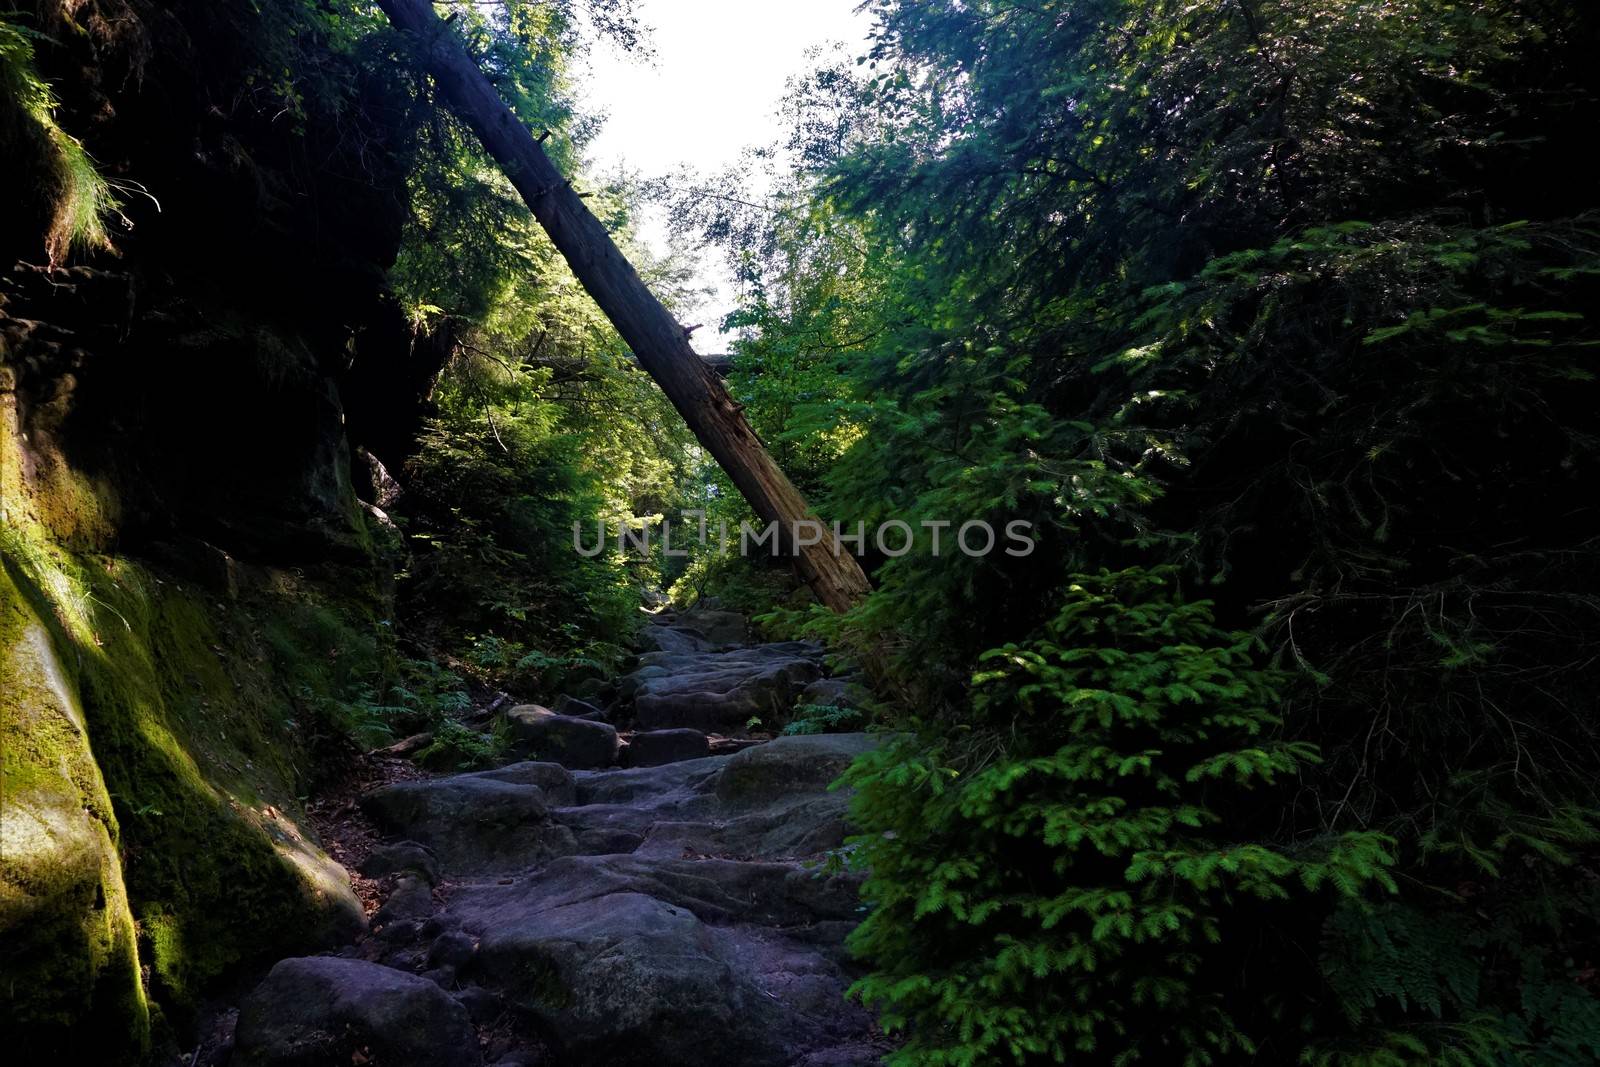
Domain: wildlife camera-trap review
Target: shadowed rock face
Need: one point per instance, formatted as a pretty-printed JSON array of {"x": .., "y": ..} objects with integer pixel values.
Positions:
[{"x": 678, "y": 913}]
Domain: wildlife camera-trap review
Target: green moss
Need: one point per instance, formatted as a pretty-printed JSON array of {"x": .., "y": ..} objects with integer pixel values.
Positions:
[
  {"x": 65, "y": 920},
  {"x": 197, "y": 740},
  {"x": 43, "y": 499},
  {"x": 199, "y": 731}
]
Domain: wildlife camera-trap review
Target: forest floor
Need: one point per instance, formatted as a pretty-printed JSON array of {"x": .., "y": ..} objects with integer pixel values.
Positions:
[{"x": 661, "y": 895}]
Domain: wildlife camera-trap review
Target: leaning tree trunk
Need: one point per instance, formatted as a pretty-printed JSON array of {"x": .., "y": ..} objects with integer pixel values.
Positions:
[{"x": 658, "y": 341}]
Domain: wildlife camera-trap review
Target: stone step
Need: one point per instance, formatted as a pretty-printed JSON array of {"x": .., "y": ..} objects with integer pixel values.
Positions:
[
  {"x": 663, "y": 912},
  {"x": 720, "y": 692},
  {"x": 618, "y": 912}
]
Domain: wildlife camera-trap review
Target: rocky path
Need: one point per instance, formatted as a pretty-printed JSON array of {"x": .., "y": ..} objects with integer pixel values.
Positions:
[{"x": 615, "y": 899}]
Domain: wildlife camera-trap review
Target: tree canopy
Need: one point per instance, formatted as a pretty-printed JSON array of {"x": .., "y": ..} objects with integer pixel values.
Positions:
[{"x": 1272, "y": 313}]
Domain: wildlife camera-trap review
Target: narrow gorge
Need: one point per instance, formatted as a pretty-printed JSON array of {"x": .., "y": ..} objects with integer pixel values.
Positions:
[{"x": 933, "y": 533}]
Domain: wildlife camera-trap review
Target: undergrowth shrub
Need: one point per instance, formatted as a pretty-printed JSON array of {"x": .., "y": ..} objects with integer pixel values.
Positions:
[
  {"x": 825, "y": 719},
  {"x": 1482, "y": 959},
  {"x": 1071, "y": 875},
  {"x": 415, "y": 695},
  {"x": 494, "y": 577},
  {"x": 456, "y": 746}
]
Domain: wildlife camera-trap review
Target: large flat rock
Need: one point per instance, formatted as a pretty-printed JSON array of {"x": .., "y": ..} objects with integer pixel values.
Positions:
[
  {"x": 788, "y": 765},
  {"x": 701, "y": 630},
  {"x": 626, "y": 978},
  {"x": 554, "y": 780},
  {"x": 633, "y": 961},
  {"x": 720, "y": 691},
  {"x": 651, "y": 748},
  {"x": 770, "y": 801}
]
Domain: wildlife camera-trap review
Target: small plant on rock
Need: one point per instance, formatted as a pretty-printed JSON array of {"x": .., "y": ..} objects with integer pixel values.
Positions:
[{"x": 825, "y": 719}]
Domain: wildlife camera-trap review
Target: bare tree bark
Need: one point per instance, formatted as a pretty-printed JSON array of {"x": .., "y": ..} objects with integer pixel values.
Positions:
[{"x": 658, "y": 341}]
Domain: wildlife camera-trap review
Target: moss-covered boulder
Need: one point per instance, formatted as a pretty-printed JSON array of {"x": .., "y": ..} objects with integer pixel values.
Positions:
[{"x": 68, "y": 953}]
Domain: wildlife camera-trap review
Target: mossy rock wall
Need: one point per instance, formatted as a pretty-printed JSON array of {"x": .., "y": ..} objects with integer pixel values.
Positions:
[
  {"x": 189, "y": 590},
  {"x": 159, "y": 719}
]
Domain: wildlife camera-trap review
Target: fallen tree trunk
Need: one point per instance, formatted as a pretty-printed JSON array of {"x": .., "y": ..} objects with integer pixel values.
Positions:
[{"x": 658, "y": 341}]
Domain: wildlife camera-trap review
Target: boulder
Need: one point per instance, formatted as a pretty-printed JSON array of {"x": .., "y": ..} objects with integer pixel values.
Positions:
[
  {"x": 472, "y": 824},
  {"x": 452, "y": 949},
  {"x": 571, "y": 742},
  {"x": 775, "y": 805},
  {"x": 662, "y": 638},
  {"x": 311, "y": 1011},
  {"x": 606, "y": 840},
  {"x": 412, "y": 899},
  {"x": 626, "y": 979},
  {"x": 483, "y": 1005},
  {"x": 788, "y": 765},
  {"x": 723, "y": 628},
  {"x": 720, "y": 892},
  {"x": 804, "y": 829},
  {"x": 703, "y": 629},
  {"x": 401, "y": 856},
  {"x": 655, "y": 747},
  {"x": 648, "y": 787},
  {"x": 574, "y": 708}
]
